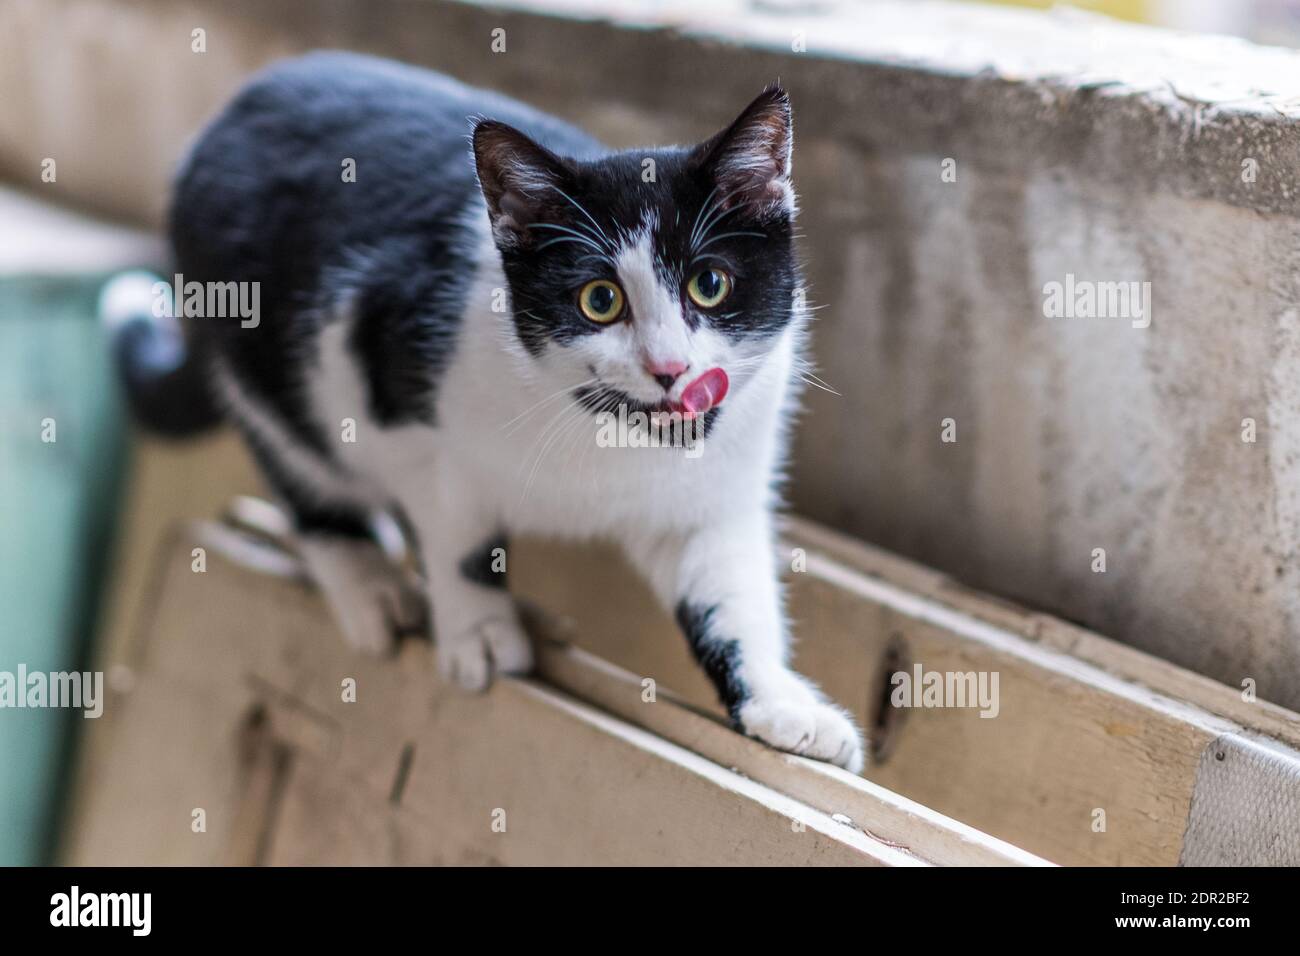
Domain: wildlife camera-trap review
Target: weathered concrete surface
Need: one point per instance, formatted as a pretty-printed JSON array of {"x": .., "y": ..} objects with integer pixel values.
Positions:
[
  {"x": 1072, "y": 434},
  {"x": 1112, "y": 153}
]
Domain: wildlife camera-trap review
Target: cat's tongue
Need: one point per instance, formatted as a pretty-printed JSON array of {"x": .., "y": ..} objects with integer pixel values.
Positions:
[{"x": 705, "y": 392}]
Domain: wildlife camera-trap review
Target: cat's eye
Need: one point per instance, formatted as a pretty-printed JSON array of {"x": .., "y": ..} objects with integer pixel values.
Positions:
[
  {"x": 709, "y": 287},
  {"x": 601, "y": 301}
]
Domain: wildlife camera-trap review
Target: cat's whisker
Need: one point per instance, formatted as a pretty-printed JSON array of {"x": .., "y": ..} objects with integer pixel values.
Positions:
[
  {"x": 721, "y": 212},
  {"x": 700, "y": 215},
  {"x": 575, "y": 402},
  {"x": 541, "y": 436},
  {"x": 824, "y": 387},
  {"x": 517, "y": 423},
  {"x": 805, "y": 365},
  {"x": 806, "y": 371},
  {"x": 583, "y": 436},
  {"x": 570, "y": 420},
  {"x": 728, "y": 235},
  {"x": 609, "y": 246},
  {"x": 582, "y": 462},
  {"x": 718, "y": 210},
  {"x": 586, "y": 448},
  {"x": 586, "y": 232},
  {"x": 580, "y": 228},
  {"x": 550, "y": 398},
  {"x": 810, "y": 371},
  {"x": 609, "y": 406},
  {"x": 578, "y": 239}
]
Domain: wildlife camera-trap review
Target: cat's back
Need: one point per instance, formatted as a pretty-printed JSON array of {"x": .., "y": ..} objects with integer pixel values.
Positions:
[
  {"x": 340, "y": 148},
  {"x": 331, "y": 96}
]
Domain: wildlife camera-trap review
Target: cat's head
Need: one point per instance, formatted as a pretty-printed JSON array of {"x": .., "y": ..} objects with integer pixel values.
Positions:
[{"x": 657, "y": 279}]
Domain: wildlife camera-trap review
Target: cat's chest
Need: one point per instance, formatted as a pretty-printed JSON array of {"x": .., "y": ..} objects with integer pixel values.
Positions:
[{"x": 572, "y": 475}]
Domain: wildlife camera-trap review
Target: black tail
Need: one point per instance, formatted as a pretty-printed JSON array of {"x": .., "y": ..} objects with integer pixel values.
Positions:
[{"x": 164, "y": 374}]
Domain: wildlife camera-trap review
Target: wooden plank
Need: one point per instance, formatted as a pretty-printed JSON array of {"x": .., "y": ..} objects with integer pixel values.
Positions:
[
  {"x": 1086, "y": 723},
  {"x": 888, "y": 817},
  {"x": 1088, "y": 731},
  {"x": 852, "y": 800},
  {"x": 236, "y": 710},
  {"x": 1118, "y": 659}
]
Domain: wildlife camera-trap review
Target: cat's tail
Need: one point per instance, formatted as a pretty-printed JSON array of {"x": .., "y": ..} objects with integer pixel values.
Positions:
[{"x": 164, "y": 372}]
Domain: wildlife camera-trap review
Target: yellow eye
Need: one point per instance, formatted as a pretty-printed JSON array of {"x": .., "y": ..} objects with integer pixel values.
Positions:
[
  {"x": 601, "y": 301},
  {"x": 709, "y": 287}
]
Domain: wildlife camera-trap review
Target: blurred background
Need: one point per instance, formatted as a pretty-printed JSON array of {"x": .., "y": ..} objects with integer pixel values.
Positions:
[
  {"x": 100, "y": 96},
  {"x": 1265, "y": 21}
]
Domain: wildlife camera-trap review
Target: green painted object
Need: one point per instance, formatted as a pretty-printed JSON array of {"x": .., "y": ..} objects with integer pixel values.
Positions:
[{"x": 57, "y": 506}]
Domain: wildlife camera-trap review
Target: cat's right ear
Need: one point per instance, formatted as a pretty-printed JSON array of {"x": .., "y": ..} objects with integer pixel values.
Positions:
[
  {"x": 749, "y": 161},
  {"x": 520, "y": 180}
]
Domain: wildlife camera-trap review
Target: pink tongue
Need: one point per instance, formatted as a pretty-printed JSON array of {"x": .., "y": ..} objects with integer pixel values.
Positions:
[{"x": 705, "y": 392}]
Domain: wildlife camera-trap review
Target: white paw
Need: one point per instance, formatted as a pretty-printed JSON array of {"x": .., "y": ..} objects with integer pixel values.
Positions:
[
  {"x": 495, "y": 646},
  {"x": 802, "y": 724}
]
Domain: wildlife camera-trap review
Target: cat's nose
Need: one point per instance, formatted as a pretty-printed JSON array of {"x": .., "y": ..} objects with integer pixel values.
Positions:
[{"x": 665, "y": 373}]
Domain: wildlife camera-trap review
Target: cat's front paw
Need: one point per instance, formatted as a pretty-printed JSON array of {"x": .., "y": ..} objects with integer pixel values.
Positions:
[
  {"x": 471, "y": 656},
  {"x": 797, "y": 721}
]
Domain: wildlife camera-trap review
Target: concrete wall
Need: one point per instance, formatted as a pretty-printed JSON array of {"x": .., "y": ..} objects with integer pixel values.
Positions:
[{"x": 1110, "y": 153}]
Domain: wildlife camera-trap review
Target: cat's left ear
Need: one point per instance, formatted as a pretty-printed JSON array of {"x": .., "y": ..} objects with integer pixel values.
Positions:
[
  {"x": 521, "y": 180},
  {"x": 750, "y": 160}
]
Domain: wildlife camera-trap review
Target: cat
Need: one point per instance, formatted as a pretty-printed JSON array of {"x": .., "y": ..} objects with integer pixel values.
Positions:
[{"x": 473, "y": 287}]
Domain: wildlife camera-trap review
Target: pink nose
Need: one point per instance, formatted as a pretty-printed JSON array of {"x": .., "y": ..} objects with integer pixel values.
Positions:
[{"x": 665, "y": 373}]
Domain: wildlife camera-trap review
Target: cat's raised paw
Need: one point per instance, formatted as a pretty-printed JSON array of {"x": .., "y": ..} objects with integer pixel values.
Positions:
[
  {"x": 808, "y": 727},
  {"x": 472, "y": 657}
]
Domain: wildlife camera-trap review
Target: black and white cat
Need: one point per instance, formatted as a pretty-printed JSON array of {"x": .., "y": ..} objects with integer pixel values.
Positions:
[{"x": 472, "y": 313}]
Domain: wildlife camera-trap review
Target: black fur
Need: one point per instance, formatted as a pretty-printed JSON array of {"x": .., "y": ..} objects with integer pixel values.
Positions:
[
  {"x": 718, "y": 655},
  {"x": 166, "y": 386},
  {"x": 310, "y": 515}
]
